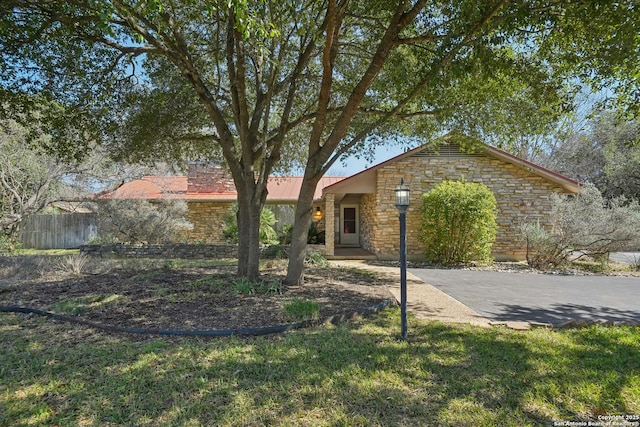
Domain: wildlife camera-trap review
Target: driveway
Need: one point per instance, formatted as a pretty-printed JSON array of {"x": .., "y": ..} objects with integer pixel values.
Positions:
[{"x": 542, "y": 298}]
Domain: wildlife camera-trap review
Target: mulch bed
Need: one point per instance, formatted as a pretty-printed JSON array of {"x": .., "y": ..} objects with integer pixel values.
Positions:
[{"x": 193, "y": 298}]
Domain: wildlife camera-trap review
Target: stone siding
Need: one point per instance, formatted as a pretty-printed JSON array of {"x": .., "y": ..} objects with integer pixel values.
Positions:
[
  {"x": 329, "y": 215},
  {"x": 368, "y": 206},
  {"x": 520, "y": 194},
  {"x": 208, "y": 221}
]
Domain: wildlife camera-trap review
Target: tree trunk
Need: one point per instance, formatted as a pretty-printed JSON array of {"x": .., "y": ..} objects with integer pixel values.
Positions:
[
  {"x": 299, "y": 233},
  {"x": 250, "y": 205}
]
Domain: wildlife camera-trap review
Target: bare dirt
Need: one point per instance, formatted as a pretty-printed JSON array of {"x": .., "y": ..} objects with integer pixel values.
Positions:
[{"x": 208, "y": 298}]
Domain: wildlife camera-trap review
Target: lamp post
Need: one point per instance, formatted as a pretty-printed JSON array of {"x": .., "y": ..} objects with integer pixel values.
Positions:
[{"x": 402, "y": 203}]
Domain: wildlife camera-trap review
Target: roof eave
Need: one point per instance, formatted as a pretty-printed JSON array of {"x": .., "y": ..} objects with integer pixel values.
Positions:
[{"x": 564, "y": 181}]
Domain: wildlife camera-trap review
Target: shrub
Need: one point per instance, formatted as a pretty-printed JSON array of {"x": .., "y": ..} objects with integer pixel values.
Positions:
[
  {"x": 8, "y": 242},
  {"x": 314, "y": 235},
  {"x": 140, "y": 221},
  {"x": 315, "y": 259},
  {"x": 587, "y": 225},
  {"x": 458, "y": 222},
  {"x": 74, "y": 265},
  {"x": 244, "y": 286},
  {"x": 268, "y": 234},
  {"x": 544, "y": 248}
]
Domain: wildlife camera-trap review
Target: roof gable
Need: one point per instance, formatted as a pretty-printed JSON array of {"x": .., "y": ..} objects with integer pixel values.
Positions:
[{"x": 452, "y": 145}]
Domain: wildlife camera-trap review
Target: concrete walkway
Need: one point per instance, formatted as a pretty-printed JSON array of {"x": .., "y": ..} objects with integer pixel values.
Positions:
[{"x": 424, "y": 301}]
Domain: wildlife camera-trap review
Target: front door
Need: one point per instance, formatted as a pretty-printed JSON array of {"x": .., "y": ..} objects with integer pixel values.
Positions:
[{"x": 349, "y": 225}]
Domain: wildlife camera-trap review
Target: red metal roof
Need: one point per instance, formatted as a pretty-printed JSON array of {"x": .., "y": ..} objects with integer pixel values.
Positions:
[{"x": 281, "y": 189}]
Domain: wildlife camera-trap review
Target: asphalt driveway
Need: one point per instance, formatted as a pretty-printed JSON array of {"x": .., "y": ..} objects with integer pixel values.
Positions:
[{"x": 545, "y": 298}]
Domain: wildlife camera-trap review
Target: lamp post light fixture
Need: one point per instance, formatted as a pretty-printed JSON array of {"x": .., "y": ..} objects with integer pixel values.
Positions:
[{"x": 402, "y": 203}]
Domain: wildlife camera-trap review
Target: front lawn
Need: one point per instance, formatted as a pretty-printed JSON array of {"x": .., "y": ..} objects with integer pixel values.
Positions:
[{"x": 356, "y": 374}]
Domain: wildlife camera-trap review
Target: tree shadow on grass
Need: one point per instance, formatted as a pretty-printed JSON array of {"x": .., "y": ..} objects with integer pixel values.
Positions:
[{"x": 359, "y": 373}]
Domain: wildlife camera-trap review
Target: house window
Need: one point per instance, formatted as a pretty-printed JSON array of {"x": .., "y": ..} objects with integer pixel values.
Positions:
[{"x": 349, "y": 220}]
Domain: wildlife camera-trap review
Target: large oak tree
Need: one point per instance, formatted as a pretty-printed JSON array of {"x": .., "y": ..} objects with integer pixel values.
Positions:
[{"x": 256, "y": 83}]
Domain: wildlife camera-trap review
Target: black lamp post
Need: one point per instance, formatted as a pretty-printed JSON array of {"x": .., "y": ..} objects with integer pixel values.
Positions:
[{"x": 402, "y": 203}]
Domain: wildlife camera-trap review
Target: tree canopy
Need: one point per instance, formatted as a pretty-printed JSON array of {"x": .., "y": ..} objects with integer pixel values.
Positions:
[
  {"x": 253, "y": 82},
  {"x": 606, "y": 154}
]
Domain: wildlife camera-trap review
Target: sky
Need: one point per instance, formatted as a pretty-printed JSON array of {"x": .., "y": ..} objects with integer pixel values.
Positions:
[{"x": 353, "y": 165}]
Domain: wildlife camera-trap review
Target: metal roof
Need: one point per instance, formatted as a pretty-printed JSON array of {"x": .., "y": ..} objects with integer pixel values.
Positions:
[{"x": 280, "y": 189}]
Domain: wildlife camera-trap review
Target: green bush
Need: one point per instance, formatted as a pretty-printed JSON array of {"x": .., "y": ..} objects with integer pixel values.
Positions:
[
  {"x": 268, "y": 234},
  {"x": 315, "y": 259},
  {"x": 587, "y": 225},
  {"x": 314, "y": 235},
  {"x": 8, "y": 242},
  {"x": 458, "y": 222}
]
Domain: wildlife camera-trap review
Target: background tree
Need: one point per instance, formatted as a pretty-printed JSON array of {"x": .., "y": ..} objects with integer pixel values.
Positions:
[
  {"x": 605, "y": 154},
  {"x": 249, "y": 80},
  {"x": 31, "y": 179}
]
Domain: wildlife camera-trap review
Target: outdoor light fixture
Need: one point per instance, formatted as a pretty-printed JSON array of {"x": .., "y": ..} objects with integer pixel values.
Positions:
[
  {"x": 318, "y": 213},
  {"x": 402, "y": 196},
  {"x": 402, "y": 203}
]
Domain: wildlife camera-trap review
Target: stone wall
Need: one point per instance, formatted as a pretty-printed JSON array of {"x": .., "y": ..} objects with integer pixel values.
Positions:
[
  {"x": 169, "y": 250},
  {"x": 368, "y": 206},
  {"x": 208, "y": 221},
  {"x": 186, "y": 251},
  {"x": 520, "y": 194},
  {"x": 329, "y": 215}
]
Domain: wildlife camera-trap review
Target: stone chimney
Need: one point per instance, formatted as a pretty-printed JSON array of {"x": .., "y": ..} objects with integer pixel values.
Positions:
[{"x": 208, "y": 178}]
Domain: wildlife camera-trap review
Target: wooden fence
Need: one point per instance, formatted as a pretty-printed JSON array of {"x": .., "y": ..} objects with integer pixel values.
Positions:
[{"x": 59, "y": 231}]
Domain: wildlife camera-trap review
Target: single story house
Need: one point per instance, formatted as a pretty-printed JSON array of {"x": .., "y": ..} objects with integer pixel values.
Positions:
[{"x": 359, "y": 211}]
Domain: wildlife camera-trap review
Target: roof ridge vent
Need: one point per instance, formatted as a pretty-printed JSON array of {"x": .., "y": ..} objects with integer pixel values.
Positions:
[{"x": 446, "y": 150}]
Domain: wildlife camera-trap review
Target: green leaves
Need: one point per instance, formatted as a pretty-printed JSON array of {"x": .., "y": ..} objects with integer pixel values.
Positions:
[{"x": 458, "y": 222}]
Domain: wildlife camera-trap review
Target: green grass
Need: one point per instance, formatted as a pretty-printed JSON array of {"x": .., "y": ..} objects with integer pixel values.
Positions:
[
  {"x": 45, "y": 252},
  {"x": 357, "y": 374},
  {"x": 84, "y": 304},
  {"x": 244, "y": 286},
  {"x": 300, "y": 309}
]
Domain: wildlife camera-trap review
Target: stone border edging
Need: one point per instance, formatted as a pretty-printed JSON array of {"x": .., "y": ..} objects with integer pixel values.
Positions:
[{"x": 334, "y": 319}]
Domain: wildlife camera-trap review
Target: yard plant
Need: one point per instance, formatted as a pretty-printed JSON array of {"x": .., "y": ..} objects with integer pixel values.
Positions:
[
  {"x": 587, "y": 225},
  {"x": 268, "y": 234},
  {"x": 458, "y": 222}
]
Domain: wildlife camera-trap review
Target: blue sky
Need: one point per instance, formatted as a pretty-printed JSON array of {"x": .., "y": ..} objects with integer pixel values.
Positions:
[{"x": 354, "y": 165}]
